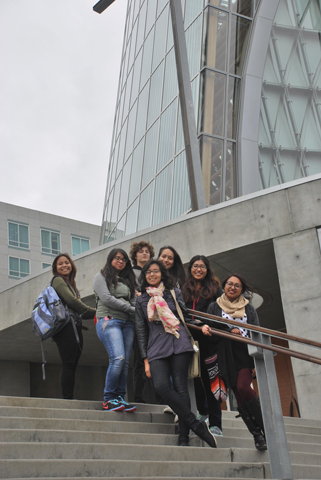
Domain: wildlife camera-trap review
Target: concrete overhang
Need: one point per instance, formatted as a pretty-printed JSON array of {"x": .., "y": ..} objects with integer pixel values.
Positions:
[{"x": 237, "y": 236}]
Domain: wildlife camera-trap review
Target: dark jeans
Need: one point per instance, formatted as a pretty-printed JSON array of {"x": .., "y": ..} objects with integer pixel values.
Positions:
[
  {"x": 69, "y": 352},
  {"x": 169, "y": 377}
]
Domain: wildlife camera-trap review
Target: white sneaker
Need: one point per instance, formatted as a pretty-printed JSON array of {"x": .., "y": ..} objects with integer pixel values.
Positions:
[{"x": 168, "y": 409}]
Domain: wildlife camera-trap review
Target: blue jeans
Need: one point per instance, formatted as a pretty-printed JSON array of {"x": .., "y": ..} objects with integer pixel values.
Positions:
[{"x": 117, "y": 337}]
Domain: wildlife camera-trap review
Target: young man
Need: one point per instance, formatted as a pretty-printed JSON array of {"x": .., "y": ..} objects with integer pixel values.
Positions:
[{"x": 140, "y": 253}]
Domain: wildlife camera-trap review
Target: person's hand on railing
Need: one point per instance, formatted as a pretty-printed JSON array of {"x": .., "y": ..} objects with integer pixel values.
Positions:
[
  {"x": 206, "y": 330},
  {"x": 236, "y": 330}
]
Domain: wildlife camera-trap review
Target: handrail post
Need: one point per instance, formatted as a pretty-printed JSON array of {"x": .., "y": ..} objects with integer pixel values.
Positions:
[{"x": 280, "y": 462}]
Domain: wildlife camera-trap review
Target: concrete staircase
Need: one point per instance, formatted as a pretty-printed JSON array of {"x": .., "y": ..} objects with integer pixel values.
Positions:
[{"x": 48, "y": 438}]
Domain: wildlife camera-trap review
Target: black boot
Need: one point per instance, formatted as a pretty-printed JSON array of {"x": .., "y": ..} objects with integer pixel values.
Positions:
[
  {"x": 183, "y": 438},
  {"x": 203, "y": 432},
  {"x": 254, "y": 429},
  {"x": 253, "y": 406}
]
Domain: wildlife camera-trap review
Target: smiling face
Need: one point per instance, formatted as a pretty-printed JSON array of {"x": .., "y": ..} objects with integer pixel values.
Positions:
[
  {"x": 63, "y": 267},
  {"x": 153, "y": 275},
  {"x": 142, "y": 256},
  {"x": 199, "y": 270},
  {"x": 167, "y": 258},
  {"x": 233, "y": 288},
  {"x": 118, "y": 262}
]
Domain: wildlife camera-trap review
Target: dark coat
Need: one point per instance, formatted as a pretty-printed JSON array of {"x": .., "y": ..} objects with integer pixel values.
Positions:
[
  {"x": 225, "y": 347},
  {"x": 154, "y": 343}
]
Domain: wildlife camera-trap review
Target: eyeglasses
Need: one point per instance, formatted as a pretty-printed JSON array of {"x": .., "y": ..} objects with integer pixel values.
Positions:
[
  {"x": 199, "y": 267},
  {"x": 235, "y": 285},
  {"x": 149, "y": 272},
  {"x": 120, "y": 259}
]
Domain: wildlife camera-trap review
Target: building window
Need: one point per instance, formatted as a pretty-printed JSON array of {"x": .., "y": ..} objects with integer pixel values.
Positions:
[
  {"x": 46, "y": 265},
  {"x": 50, "y": 242},
  {"x": 18, "y": 235},
  {"x": 18, "y": 267},
  {"x": 79, "y": 245}
]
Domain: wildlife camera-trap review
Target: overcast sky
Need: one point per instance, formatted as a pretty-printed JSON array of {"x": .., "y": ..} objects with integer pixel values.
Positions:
[{"x": 59, "y": 76}]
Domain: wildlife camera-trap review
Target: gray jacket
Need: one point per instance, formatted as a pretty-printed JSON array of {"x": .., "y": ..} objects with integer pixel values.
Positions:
[{"x": 116, "y": 302}]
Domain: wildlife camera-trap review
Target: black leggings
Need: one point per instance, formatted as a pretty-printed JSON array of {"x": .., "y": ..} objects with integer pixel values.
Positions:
[
  {"x": 169, "y": 377},
  {"x": 69, "y": 352}
]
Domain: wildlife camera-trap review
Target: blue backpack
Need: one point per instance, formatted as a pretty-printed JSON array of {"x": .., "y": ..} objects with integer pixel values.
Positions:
[{"x": 49, "y": 316}]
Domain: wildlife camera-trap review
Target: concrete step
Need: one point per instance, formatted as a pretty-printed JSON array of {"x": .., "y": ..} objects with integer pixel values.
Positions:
[{"x": 111, "y": 468}]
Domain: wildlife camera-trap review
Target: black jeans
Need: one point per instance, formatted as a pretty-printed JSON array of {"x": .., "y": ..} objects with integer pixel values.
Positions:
[
  {"x": 69, "y": 352},
  {"x": 169, "y": 377}
]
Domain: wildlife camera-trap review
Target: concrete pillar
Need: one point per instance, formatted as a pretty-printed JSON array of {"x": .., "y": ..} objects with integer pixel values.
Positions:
[
  {"x": 298, "y": 261},
  {"x": 14, "y": 378}
]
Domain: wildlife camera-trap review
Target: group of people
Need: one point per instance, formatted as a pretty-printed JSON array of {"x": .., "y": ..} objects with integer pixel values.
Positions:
[{"x": 142, "y": 303}]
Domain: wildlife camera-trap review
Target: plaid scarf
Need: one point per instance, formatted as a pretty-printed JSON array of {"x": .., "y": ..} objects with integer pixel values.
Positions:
[{"x": 158, "y": 310}]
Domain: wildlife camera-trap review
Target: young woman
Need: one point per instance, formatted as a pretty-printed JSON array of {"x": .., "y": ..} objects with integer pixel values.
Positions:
[
  {"x": 236, "y": 365},
  {"x": 166, "y": 347},
  {"x": 64, "y": 283},
  {"x": 199, "y": 291},
  {"x": 114, "y": 288},
  {"x": 173, "y": 264}
]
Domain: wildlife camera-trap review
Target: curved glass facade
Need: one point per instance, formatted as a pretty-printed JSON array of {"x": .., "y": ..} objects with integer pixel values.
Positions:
[
  {"x": 290, "y": 124},
  {"x": 147, "y": 179}
]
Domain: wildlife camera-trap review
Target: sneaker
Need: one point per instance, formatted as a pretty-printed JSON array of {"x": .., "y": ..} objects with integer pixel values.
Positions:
[
  {"x": 216, "y": 431},
  {"x": 113, "y": 406},
  {"x": 127, "y": 406},
  {"x": 202, "y": 418}
]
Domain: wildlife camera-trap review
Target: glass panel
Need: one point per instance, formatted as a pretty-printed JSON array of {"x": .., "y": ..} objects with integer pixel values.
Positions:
[
  {"x": 212, "y": 162},
  {"x": 166, "y": 136},
  {"x": 23, "y": 236},
  {"x": 162, "y": 201},
  {"x": 195, "y": 95},
  {"x": 213, "y": 102},
  {"x": 192, "y": 9},
  {"x": 14, "y": 267},
  {"x": 24, "y": 267},
  {"x": 141, "y": 26},
  {"x": 170, "y": 39},
  {"x": 13, "y": 234},
  {"x": 155, "y": 96},
  {"x": 150, "y": 156},
  {"x": 215, "y": 39},
  {"x": 141, "y": 113},
  {"x": 46, "y": 265},
  {"x": 145, "y": 207},
  {"x": 160, "y": 5},
  {"x": 114, "y": 211},
  {"x": 179, "y": 132},
  {"x": 130, "y": 131},
  {"x": 170, "y": 79},
  {"x": 181, "y": 199},
  {"x": 151, "y": 13},
  {"x": 232, "y": 106},
  {"x": 244, "y": 7},
  {"x": 45, "y": 241},
  {"x": 136, "y": 172},
  {"x": 230, "y": 180},
  {"x": 132, "y": 218},
  {"x": 193, "y": 44},
  {"x": 268, "y": 168},
  {"x": 120, "y": 231},
  {"x": 240, "y": 28},
  {"x": 124, "y": 188},
  {"x": 160, "y": 38},
  {"x": 219, "y": 3},
  {"x": 55, "y": 243},
  {"x": 84, "y": 245},
  {"x": 136, "y": 78},
  {"x": 75, "y": 245},
  {"x": 127, "y": 97},
  {"x": 132, "y": 46},
  {"x": 120, "y": 160},
  {"x": 147, "y": 58}
]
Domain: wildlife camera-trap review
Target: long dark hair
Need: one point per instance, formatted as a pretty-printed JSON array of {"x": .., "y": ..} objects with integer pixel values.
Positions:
[
  {"x": 73, "y": 272},
  {"x": 210, "y": 282},
  {"x": 127, "y": 274},
  {"x": 246, "y": 287},
  {"x": 177, "y": 271},
  {"x": 166, "y": 278}
]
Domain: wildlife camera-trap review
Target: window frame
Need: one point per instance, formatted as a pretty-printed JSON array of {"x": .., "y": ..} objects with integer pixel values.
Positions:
[
  {"x": 18, "y": 277},
  {"x": 44, "y": 250},
  {"x": 18, "y": 246},
  {"x": 78, "y": 237}
]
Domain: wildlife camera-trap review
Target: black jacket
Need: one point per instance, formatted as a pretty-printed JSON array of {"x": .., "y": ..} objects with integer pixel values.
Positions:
[
  {"x": 153, "y": 341},
  {"x": 224, "y": 346}
]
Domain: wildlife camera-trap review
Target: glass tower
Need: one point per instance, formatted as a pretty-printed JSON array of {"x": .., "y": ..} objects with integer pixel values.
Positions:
[{"x": 147, "y": 179}]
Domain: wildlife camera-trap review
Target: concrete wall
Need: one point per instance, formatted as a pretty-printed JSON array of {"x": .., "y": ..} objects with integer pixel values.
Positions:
[{"x": 286, "y": 216}]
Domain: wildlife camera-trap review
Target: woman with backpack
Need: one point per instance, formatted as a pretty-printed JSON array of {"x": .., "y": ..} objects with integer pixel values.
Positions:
[
  {"x": 64, "y": 271},
  {"x": 114, "y": 288}
]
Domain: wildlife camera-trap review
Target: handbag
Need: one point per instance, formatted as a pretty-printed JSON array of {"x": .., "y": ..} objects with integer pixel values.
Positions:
[{"x": 194, "y": 368}]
